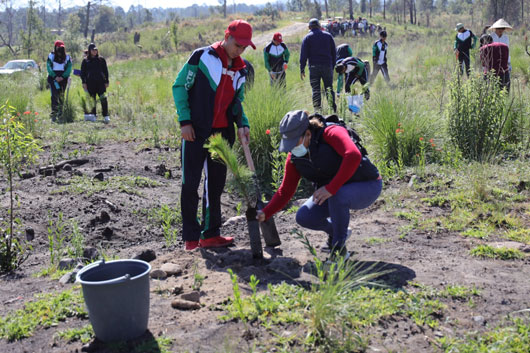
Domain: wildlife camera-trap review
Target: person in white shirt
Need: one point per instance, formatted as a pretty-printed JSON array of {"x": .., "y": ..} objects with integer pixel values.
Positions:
[
  {"x": 379, "y": 50},
  {"x": 499, "y": 35}
]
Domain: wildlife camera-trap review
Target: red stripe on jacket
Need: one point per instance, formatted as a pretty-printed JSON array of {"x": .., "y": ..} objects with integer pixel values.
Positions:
[{"x": 225, "y": 92}]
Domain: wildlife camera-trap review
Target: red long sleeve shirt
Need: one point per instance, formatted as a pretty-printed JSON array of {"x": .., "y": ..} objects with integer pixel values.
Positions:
[{"x": 335, "y": 136}]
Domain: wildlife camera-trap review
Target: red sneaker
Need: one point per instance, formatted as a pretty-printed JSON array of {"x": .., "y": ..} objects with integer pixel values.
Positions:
[
  {"x": 191, "y": 244},
  {"x": 216, "y": 242}
]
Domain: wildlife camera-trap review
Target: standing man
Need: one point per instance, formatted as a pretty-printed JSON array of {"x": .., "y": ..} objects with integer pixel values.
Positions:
[
  {"x": 355, "y": 70},
  {"x": 95, "y": 78},
  {"x": 59, "y": 67},
  {"x": 276, "y": 57},
  {"x": 319, "y": 48},
  {"x": 343, "y": 51},
  {"x": 464, "y": 41},
  {"x": 208, "y": 93},
  {"x": 379, "y": 50},
  {"x": 499, "y": 36}
]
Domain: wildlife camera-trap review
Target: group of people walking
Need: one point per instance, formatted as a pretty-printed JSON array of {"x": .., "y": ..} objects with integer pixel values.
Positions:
[
  {"x": 319, "y": 50},
  {"x": 357, "y": 27}
]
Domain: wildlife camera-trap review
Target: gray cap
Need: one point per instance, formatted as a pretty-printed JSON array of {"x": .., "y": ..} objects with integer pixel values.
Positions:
[
  {"x": 314, "y": 22},
  {"x": 292, "y": 127}
]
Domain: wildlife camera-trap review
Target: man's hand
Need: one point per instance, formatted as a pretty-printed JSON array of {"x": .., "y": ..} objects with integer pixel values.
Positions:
[
  {"x": 302, "y": 75},
  {"x": 261, "y": 216},
  {"x": 59, "y": 79},
  {"x": 321, "y": 195},
  {"x": 85, "y": 87},
  {"x": 106, "y": 85},
  {"x": 244, "y": 134},
  {"x": 188, "y": 133}
]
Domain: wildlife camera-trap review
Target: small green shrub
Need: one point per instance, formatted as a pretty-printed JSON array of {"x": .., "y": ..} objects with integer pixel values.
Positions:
[
  {"x": 502, "y": 253},
  {"x": 45, "y": 312}
]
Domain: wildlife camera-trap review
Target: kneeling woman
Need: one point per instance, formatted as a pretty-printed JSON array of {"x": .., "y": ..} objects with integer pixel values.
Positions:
[{"x": 344, "y": 180}]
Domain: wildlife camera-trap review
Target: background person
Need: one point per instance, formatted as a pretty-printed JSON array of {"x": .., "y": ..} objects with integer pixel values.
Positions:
[
  {"x": 494, "y": 57},
  {"x": 59, "y": 67},
  {"x": 343, "y": 51},
  {"x": 318, "y": 48},
  {"x": 355, "y": 70},
  {"x": 95, "y": 78},
  {"x": 499, "y": 35},
  {"x": 379, "y": 50},
  {"x": 276, "y": 57},
  {"x": 341, "y": 181},
  {"x": 464, "y": 41},
  {"x": 204, "y": 111}
]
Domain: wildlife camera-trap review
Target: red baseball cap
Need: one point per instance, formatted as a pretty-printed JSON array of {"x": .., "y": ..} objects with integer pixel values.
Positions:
[
  {"x": 59, "y": 44},
  {"x": 241, "y": 31},
  {"x": 277, "y": 37}
]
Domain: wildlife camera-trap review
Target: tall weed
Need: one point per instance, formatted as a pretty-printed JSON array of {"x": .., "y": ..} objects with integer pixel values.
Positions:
[
  {"x": 477, "y": 115},
  {"x": 401, "y": 132}
]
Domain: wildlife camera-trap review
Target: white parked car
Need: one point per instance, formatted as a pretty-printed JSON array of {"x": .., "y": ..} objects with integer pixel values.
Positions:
[{"x": 18, "y": 65}]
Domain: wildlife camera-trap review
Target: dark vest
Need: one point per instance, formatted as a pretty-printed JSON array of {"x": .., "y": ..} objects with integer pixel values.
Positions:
[{"x": 322, "y": 163}]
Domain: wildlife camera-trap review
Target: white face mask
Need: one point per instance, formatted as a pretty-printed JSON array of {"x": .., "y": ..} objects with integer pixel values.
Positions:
[{"x": 300, "y": 150}]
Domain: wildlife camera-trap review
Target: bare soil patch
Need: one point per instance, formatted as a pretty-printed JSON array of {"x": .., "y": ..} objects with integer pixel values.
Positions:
[{"x": 434, "y": 259}]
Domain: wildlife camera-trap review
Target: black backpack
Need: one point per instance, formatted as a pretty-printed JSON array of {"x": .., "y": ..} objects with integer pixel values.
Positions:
[
  {"x": 335, "y": 120},
  {"x": 367, "y": 170}
]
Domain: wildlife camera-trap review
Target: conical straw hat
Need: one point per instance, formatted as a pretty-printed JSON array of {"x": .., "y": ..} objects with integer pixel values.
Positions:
[{"x": 501, "y": 23}]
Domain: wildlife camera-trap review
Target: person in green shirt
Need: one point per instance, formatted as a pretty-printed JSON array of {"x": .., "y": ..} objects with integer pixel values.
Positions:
[
  {"x": 464, "y": 41},
  {"x": 59, "y": 67},
  {"x": 276, "y": 57}
]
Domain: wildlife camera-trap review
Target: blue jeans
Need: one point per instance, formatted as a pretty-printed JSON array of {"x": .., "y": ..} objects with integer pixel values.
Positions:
[{"x": 333, "y": 216}]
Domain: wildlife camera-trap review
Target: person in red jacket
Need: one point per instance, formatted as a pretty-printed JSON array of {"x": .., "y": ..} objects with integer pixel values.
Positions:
[
  {"x": 494, "y": 58},
  {"x": 344, "y": 179}
]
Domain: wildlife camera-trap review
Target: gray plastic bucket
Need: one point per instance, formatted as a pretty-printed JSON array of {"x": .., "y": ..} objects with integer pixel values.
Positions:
[{"x": 117, "y": 298}]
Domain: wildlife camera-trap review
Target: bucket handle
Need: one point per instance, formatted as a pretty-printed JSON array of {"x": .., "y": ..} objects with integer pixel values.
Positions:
[{"x": 121, "y": 279}]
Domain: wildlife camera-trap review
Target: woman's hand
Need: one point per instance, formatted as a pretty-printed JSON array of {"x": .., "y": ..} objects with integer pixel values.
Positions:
[
  {"x": 85, "y": 87},
  {"x": 321, "y": 195},
  {"x": 261, "y": 216}
]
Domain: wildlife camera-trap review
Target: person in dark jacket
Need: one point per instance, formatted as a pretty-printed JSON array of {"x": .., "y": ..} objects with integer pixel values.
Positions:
[
  {"x": 379, "y": 50},
  {"x": 59, "y": 67},
  {"x": 344, "y": 179},
  {"x": 208, "y": 93},
  {"x": 343, "y": 51},
  {"x": 355, "y": 70},
  {"x": 318, "y": 48},
  {"x": 276, "y": 57},
  {"x": 95, "y": 78},
  {"x": 464, "y": 41}
]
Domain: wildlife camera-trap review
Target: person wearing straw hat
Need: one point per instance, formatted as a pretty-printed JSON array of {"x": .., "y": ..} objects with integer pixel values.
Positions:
[
  {"x": 464, "y": 41},
  {"x": 324, "y": 153},
  {"x": 276, "y": 57},
  {"x": 499, "y": 29},
  {"x": 208, "y": 93}
]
